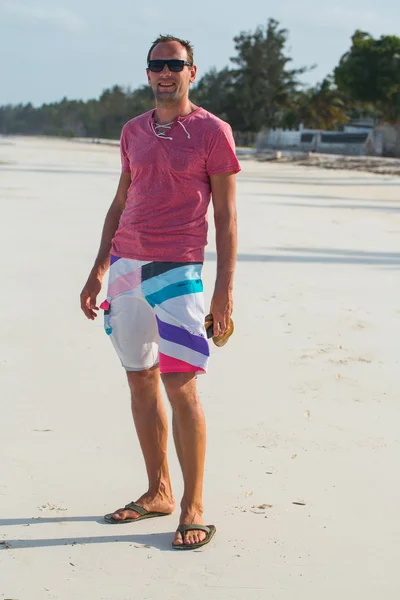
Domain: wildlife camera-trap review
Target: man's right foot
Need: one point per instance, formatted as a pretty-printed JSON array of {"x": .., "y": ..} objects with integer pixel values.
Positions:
[{"x": 156, "y": 504}]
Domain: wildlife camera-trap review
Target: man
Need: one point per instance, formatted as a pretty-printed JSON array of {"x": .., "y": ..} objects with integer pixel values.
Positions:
[{"x": 173, "y": 159}]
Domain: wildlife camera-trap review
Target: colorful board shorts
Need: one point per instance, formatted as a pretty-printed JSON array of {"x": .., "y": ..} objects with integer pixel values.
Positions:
[{"x": 154, "y": 314}]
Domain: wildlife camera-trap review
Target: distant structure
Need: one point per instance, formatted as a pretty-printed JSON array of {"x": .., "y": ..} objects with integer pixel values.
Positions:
[
  {"x": 359, "y": 138},
  {"x": 385, "y": 141}
]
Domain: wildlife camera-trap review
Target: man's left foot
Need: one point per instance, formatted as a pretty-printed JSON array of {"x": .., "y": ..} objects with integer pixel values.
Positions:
[{"x": 191, "y": 537}]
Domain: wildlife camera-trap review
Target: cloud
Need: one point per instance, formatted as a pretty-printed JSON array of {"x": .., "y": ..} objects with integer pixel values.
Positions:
[{"x": 54, "y": 15}]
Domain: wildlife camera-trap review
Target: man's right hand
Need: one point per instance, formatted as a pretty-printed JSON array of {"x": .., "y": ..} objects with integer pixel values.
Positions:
[{"x": 89, "y": 297}]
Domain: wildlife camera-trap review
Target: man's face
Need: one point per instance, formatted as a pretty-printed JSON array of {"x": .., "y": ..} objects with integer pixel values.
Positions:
[{"x": 170, "y": 88}]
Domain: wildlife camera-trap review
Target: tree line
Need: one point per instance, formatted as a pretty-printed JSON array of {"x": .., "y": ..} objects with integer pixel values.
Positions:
[{"x": 260, "y": 90}]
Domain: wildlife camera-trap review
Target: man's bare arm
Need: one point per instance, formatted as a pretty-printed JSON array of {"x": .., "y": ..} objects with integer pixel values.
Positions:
[
  {"x": 93, "y": 285},
  {"x": 223, "y": 189}
]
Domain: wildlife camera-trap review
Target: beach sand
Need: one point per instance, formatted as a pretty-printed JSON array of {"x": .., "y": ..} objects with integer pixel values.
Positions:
[{"x": 302, "y": 404}]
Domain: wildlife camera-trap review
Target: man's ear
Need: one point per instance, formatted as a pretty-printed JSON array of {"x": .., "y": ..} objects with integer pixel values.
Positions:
[{"x": 193, "y": 72}]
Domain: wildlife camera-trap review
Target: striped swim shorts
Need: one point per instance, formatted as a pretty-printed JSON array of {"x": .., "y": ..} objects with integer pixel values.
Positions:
[{"x": 154, "y": 314}]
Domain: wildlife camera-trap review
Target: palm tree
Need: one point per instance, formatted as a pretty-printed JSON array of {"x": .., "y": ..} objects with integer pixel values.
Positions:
[{"x": 322, "y": 107}]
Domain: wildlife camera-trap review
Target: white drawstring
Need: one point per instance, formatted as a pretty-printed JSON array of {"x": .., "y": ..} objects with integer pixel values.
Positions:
[
  {"x": 184, "y": 128},
  {"x": 163, "y": 134}
]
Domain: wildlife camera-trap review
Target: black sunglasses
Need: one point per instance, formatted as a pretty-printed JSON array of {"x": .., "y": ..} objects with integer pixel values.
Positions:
[{"x": 174, "y": 65}]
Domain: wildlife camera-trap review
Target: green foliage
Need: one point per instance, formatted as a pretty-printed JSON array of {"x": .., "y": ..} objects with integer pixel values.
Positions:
[
  {"x": 215, "y": 92},
  {"x": 259, "y": 90},
  {"x": 262, "y": 81},
  {"x": 370, "y": 72},
  {"x": 322, "y": 107},
  {"x": 102, "y": 118}
]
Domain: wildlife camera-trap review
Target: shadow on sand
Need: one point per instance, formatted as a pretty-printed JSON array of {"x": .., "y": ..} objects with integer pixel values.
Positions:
[
  {"x": 320, "y": 255},
  {"x": 318, "y": 198},
  {"x": 161, "y": 541},
  {"x": 326, "y": 182},
  {"x": 378, "y": 207}
]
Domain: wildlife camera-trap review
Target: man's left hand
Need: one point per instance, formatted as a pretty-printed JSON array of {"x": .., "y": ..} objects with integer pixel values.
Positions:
[{"x": 221, "y": 310}]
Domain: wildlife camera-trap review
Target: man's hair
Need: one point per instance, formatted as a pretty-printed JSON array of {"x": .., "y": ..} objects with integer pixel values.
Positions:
[{"x": 171, "y": 38}]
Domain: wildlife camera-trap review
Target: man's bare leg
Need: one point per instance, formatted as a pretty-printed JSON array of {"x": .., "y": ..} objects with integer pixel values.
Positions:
[
  {"x": 151, "y": 424},
  {"x": 189, "y": 430}
]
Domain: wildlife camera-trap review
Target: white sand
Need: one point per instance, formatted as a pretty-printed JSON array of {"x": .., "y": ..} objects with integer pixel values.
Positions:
[{"x": 302, "y": 404}]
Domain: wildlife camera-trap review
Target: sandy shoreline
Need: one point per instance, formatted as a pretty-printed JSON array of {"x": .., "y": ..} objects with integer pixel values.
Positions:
[
  {"x": 369, "y": 164},
  {"x": 302, "y": 404}
]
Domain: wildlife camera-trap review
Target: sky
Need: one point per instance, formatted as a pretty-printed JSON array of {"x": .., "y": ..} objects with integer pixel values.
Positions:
[{"x": 50, "y": 49}]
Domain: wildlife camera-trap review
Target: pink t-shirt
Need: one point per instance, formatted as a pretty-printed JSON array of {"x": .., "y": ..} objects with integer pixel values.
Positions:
[{"x": 165, "y": 217}]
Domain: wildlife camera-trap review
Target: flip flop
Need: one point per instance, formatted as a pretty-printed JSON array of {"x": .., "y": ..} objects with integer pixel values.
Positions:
[
  {"x": 219, "y": 340},
  {"x": 142, "y": 512},
  {"x": 209, "y": 530}
]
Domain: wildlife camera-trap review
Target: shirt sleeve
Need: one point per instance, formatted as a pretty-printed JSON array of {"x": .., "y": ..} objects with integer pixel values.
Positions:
[
  {"x": 125, "y": 165},
  {"x": 222, "y": 154}
]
